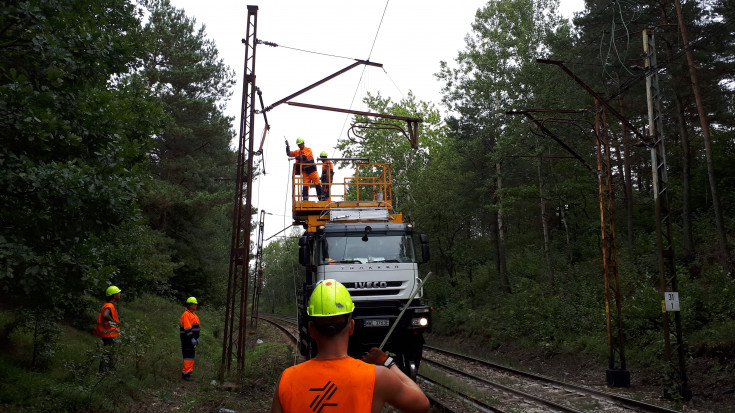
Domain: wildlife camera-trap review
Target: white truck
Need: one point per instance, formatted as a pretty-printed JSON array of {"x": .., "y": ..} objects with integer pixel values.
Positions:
[{"x": 355, "y": 239}]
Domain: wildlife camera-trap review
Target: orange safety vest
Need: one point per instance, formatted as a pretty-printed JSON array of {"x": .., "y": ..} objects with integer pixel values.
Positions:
[
  {"x": 336, "y": 385},
  {"x": 308, "y": 164},
  {"x": 189, "y": 326},
  {"x": 103, "y": 327},
  {"x": 327, "y": 172}
]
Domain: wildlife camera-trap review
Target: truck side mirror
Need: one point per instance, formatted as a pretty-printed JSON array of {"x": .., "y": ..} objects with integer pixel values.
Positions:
[{"x": 424, "y": 247}]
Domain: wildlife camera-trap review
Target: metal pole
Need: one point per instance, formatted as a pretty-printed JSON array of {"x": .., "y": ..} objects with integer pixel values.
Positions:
[
  {"x": 240, "y": 241},
  {"x": 615, "y": 376},
  {"x": 419, "y": 286},
  {"x": 678, "y": 386}
]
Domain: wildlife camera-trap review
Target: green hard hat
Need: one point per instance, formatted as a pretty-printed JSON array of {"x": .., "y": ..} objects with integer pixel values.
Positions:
[
  {"x": 112, "y": 290},
  {"x": 191, "y": 300},
  {"x": 299, "y": 141},
  {"x": 330, "y": 298},
  {"x": 323, "y": 154}
]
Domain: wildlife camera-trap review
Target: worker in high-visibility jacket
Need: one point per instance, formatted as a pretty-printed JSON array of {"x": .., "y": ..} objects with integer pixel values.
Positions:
[
  {"x": 108, "y": 327},
  {"x": 334, "y": 381},
  {"x": 189, "y": 328},
  {"x": 306, "y": 166},
  {"x": 327, "y": 175}
]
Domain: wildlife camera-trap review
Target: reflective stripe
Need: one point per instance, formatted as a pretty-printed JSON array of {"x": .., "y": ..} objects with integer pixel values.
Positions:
[
  {"x": 308, "y": 164},
  {"x": 189, "y": 325}
]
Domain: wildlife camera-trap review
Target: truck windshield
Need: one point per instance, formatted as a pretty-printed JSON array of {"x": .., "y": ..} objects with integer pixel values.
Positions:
[{"x": 349, "y": 249}]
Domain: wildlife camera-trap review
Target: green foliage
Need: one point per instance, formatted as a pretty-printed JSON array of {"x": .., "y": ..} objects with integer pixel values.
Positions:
[
  {"x": 190, "y": 198},
  {"x": 484, "y": 165},
  {"x": 147, "y": 370},
  {"x": 281, "y": 269},
  {"x": 72, "y": 160}
]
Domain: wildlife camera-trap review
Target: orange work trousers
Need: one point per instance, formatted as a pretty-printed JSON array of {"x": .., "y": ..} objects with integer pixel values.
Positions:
[{"x": 312, "y": 178}]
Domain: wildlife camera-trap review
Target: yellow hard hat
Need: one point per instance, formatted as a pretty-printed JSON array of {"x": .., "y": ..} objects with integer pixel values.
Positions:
[
  {"x": 299, "y": 141},
  {"x": 191, "y": 300},
  {"x": 330, "y": 298},
  {"x": 323, "y": 154},
  {"x": 112, "y": 290}
]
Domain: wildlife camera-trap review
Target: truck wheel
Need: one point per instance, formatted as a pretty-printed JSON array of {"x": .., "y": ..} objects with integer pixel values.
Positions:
[{"x": 413, "y": 369}]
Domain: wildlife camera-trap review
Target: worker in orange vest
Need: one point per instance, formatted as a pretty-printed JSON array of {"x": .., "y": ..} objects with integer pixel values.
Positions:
[
  {"x": 108, "y": 328},
  {"x": 189, "y": 328},
  {"x": 307, "y": 167},
  {"x": 327, "y": 175},
  {"x": 335, "y": 380}
]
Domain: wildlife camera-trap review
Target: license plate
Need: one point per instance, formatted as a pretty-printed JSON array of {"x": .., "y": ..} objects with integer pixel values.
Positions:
[{"x": 377, "y": 323}]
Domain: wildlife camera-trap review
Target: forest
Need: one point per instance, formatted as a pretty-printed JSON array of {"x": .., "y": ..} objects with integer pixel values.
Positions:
[{"x": 116, "y": 167}]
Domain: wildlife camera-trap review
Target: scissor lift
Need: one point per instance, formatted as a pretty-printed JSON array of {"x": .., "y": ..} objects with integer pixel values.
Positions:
[{"x": 369, "y": 188}]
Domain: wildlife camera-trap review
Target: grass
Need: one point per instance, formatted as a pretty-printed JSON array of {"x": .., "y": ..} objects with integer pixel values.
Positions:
[{"x": 148, "y": 371}]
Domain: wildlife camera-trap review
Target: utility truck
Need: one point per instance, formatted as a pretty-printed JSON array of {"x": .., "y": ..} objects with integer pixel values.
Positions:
[{"x": 357, "y": 239}]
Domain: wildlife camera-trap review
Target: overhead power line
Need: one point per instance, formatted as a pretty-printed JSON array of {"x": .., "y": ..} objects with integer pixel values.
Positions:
[{"x": 272, "y": 44}]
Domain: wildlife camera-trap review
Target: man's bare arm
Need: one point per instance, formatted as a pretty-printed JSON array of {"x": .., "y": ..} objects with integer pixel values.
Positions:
[
  {"x": 276, "y": 405},
  {"x": 394, "y": 387}
]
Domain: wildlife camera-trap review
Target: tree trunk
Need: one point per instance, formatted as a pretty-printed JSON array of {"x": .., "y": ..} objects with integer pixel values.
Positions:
[
  {"x": 545, "y": 227},
  {"x": 502, "y": 266},
  {"x": 566, "y": 233},
  {"x": 686, "y": 211},
  {"x": 627, "y": 183},
  {"x": 686, "y": 214},
  {"x": 719, "y": 222}
]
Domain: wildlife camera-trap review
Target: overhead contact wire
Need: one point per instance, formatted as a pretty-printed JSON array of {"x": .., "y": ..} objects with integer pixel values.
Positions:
[{"x": 357, "y": 88}]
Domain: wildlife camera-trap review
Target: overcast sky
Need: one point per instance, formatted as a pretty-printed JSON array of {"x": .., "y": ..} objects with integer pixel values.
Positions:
[{"x": 409, "y": 37}]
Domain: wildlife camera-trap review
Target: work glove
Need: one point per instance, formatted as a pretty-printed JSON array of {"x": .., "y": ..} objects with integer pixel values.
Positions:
[
  {"x": 113, "y": 324},
  {"x": 375, "y": 356},
  {"x": 194, "y": 342}
]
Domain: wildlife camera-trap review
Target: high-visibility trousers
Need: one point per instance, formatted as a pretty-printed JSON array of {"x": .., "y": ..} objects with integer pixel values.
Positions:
[
  {"x": 188, "y": 352},
  {"x": 312, "y": 178}
]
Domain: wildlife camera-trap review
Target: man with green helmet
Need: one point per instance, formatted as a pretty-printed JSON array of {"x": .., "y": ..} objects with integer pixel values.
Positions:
[
  {"x": 189, "y": 329},
  {"x": 107, "y": 328},
  {"x": 334, "y": 379},
  {"x": 306, "y": 167},
  {"x": 327, "y": 175}
]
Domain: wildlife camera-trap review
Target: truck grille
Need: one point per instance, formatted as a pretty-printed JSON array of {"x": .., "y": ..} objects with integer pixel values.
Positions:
[{"x": 382, "y": 288}]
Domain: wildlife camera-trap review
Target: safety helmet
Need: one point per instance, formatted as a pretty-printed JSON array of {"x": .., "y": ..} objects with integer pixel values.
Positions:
[
  {"x": 323, "y": 154},
  {"x": 299, "y": 141},
  {"x": 330, "y": 298},
  {"x": 191, "y": 300},
  {"x": 112, "y": 290}
]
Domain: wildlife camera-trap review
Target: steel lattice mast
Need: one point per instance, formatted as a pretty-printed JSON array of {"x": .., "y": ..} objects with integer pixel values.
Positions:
[
  {"x": 237, "y": 282},
  {"x": 668, "y": 282}
]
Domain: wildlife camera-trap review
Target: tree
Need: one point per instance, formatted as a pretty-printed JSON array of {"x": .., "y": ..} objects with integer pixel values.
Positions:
[
  {"x": 281, "y": 275},
  {"x": 497, "y": 72},
  {"x": 76, "y": 127},
  {"x": 381, "y": 145},
  {"x": 193, "y": 164}
]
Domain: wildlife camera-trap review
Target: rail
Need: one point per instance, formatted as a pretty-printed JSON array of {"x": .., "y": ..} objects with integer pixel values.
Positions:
[{"x": 548, "y": 394}]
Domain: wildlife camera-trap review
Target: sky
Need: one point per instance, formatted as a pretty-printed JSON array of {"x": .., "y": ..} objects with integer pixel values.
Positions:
[{"x": 409, "y": 37}]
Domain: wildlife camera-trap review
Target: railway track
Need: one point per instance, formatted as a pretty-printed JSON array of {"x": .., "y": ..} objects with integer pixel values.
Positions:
[
  {"x": 555, "y": 394},
  {"x": 459, "y": 383}
]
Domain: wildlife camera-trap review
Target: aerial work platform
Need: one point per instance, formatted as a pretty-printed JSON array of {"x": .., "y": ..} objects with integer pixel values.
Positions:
[{"x": 363, "y": 194}]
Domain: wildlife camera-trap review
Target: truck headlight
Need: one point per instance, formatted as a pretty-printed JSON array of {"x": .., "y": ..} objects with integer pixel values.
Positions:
[{"x": 419, "y": 322}]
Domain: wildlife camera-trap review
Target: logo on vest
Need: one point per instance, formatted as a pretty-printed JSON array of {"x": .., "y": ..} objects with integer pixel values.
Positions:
[{"x": 324, "y": 394}]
